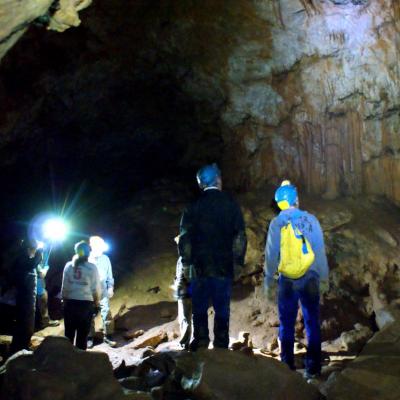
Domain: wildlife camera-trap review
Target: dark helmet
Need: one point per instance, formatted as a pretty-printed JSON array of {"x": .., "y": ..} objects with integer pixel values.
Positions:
[
  {"x": 208, "y": 176},
  {"x": 286, "y": 195},
  {"x": 82, "y": 249}
]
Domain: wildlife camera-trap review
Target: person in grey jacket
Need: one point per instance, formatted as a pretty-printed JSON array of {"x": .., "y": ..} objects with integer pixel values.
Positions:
[
  {"x": 103, "y": 264},
  {"x": 305, "y": 289}
]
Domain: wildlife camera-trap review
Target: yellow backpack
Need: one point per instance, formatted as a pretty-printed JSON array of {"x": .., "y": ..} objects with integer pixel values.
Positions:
[{"x": 296, "y": 254}]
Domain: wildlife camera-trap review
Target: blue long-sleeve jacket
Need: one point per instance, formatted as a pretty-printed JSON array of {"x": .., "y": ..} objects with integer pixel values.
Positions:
[{"x": 311, "y": 229}]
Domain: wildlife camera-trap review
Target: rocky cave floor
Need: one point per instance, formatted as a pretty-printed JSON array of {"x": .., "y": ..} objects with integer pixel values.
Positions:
[{"x": 359, "y": 314}]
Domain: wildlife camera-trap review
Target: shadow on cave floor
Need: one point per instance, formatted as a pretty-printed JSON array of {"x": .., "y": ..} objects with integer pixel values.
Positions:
[
  {"x": 149, "y": 316},
  {"x": 241, "y": 291},
  {"x": 146, "y": 317}
]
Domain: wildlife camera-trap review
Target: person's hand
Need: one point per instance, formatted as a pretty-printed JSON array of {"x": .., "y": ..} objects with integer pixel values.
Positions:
[
  {"x": 186, "y": 272},
  {"x": 324, "y": 286},
  {"x": 182, "y": 288},
  {"x": 237, "y": 271},
  {"x": 110, "y": 292},
  {"x": 39, "y": 255},
  {"x": 270, "y": 293}
]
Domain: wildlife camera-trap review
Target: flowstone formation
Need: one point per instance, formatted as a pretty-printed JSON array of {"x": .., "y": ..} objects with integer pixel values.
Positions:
[{"x": 319, "y": 98}]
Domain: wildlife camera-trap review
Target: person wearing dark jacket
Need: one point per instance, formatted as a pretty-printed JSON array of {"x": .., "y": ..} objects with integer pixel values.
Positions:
[
  {"x": 24, "y": 276},
  {"x": 212, "y": 246}
]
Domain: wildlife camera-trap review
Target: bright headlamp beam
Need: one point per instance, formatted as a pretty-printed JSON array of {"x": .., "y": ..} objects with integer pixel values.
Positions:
[{"x": 55, "y": 230}]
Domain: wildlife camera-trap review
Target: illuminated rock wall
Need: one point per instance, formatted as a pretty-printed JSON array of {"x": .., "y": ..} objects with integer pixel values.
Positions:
[
  {"x": 317, "y": 98},
  {"x": 16, "y": 16}
]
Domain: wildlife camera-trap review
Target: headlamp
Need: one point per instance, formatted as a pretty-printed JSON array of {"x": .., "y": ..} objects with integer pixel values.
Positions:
[{"x": 55, "y": 230}]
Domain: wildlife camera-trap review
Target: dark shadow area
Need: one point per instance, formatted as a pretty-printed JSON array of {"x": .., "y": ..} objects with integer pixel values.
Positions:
[
  {"x": 147, "y": 317},
  {"x": 241, "y": 291}
]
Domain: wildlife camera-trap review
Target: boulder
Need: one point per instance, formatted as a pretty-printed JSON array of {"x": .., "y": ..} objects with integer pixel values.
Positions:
[
  {"x": 386, "y": 315},
  {"x": 58, "y": 371},
  {"x": 153, "y": 341},
  {"x": 133, "y": 334},
  {"x": 374, "y": 374},
  {"x": 222, "y": 374},
  {"x": 355, "y": 339}
]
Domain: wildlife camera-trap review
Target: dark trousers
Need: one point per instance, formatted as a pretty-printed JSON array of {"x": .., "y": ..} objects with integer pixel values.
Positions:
[
  {"x": 25, "y": 313},
  {"x": 42, "y": 310},
  {"x": 78, "y": 316},
  {"x": 290, "y": 292},
  {"x": 218, "y": 290}
]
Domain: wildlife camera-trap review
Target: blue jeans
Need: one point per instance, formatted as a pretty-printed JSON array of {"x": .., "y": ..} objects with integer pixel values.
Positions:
[
  {"x": 218, "y": 290},
  {"x": 290, "y": 291}
]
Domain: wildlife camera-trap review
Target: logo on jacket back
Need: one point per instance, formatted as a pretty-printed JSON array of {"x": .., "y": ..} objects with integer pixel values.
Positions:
[{"x": 296, "y": 254}]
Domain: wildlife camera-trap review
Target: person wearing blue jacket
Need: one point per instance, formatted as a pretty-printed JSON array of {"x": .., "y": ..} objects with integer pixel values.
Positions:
[{"x": 305, "y": 289}]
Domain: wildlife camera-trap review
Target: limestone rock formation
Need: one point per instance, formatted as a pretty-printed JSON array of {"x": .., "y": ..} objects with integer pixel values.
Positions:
[
  {"x": 375, "y": 373},
  {"x": 16, "y": 17},
  {"x": 271, "y": 89}
]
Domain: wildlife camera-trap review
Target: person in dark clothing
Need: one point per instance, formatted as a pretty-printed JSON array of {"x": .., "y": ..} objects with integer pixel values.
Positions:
[
  {"x": 81, "y": 295},
  {"x": 24, "y": 276},
  {"x": 212, "y": 246}
]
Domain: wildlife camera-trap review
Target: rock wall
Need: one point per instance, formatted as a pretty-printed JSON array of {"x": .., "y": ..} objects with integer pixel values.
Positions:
[
  {"x": 306, "y": 89},
  {"x": 16, "y": 17},
  {"x": 318, "y": 98}
]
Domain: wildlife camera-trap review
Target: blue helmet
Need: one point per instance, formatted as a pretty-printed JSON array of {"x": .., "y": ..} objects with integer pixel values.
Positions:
[
  {"x": 208, "y": 176},
  {"x": 82, "y": 249},
  {"x": 286, "y": 195}
]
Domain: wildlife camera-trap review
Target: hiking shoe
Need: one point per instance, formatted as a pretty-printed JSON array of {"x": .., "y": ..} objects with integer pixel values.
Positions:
[
  {"x": 311, "y": 378},
  {"x": 109, "y": 341},
  {"x": 90, "y": 343},
  {"x": 50, "y": 322},
  {"x": 197, "y": 344}
]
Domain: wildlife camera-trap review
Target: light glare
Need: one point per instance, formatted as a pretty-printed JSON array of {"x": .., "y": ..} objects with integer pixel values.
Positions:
[{"x": 55, "y": 230}]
